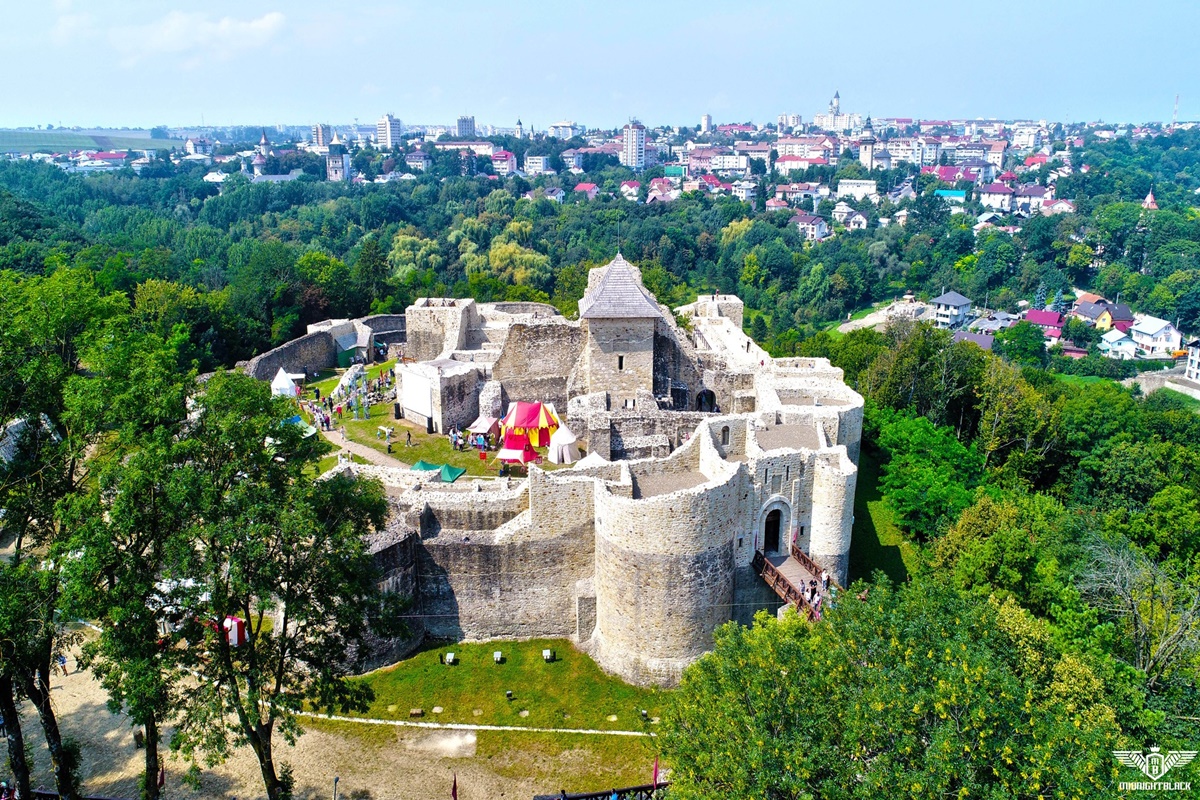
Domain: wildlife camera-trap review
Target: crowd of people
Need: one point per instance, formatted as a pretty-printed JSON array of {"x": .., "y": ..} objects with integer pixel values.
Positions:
[{"x": 479, "y": 441}]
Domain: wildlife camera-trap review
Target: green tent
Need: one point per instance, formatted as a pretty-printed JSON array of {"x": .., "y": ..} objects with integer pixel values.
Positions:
[{"x": 449, "y": 474}]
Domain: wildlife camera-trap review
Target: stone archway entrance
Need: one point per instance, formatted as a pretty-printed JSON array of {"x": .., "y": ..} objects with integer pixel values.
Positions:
[
  {"x": 706, "y": 400},
  {"x": 775, "y": 527},
  {"x": 771, "y": 531}
]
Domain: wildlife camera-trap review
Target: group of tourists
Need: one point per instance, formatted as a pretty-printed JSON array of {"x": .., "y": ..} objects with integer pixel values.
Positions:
[
  {"x": 461, "y": 441},
  {"x": 324, "y": 413}
]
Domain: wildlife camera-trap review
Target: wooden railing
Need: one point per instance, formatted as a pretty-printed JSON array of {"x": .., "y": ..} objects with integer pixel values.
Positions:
[
  {"x": 647, "y": 792},
  {"x": 811, "y": 565},
  {"x": 782, "y": 586}
]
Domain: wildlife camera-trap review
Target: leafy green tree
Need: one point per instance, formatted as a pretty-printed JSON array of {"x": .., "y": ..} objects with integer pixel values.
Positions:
[
  {"x": 914, "y": 691},
  {"x": 1023, "y": 343},
  {"x": 269, "y": 546}
]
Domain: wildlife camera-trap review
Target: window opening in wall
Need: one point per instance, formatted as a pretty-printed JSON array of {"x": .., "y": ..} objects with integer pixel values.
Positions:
[
  {"x": 739, "y": 541},
  {"x": 725, "y": 435},
  {"x": 620, "y": 362},
  {"x": 629, "y": 402},
  {"x": 787, "y": 473}
]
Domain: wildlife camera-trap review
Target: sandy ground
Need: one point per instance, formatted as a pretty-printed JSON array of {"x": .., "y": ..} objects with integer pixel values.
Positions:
[
  {"x": 878, "y": 318},
  {"x": 404, "y": 765}
]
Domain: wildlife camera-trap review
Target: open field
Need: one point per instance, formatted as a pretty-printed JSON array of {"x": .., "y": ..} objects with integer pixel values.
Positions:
[
  {"x": 58, "y": 142},
  {"x": 1187, "y": 400},
  {"x": 377, "y": 762},
  {"x": 876, "y": 542}
]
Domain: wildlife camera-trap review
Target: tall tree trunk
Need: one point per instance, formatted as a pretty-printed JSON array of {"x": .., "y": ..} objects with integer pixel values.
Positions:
[
  {"x": 15, "y": 739},
  {"x": 37, "y": 687},
  {"x": 150, "y": 788},
  {"x": 260, "y": 741}
]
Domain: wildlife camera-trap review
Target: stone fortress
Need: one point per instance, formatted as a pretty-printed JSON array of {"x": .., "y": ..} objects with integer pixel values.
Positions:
[{"x": 703, "y": 451}]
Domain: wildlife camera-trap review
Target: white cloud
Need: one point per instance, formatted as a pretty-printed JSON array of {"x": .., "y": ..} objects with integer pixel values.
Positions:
[
  {"x": 193, "y": 37},
  {"x": 69, "y": 25}
]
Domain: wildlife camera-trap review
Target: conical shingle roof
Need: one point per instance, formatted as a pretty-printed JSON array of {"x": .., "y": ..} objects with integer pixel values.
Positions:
[{"x": 619, "y": 295}]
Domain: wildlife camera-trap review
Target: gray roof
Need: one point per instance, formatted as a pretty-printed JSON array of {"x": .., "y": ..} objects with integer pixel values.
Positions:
[
  {"x": 1090, "y": 310},
  {"x": 981, "y": 339},
  {"x": 619, "y": 295},
  {"x": 952, "y": 299}
]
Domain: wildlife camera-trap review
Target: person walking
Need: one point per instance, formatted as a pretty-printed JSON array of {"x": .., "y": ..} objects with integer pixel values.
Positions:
[
  {"x": 408, "y": 438},
  {"x": 825, "y": 579}
]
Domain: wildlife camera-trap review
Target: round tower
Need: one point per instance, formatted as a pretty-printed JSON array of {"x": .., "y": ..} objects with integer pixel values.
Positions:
[{"x": 834, "y": 479}]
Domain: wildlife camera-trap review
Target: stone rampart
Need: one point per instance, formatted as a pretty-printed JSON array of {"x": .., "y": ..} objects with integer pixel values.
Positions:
[
  {"x": 834, "y": 480},
  {"x": 537, "y": 360},
  {"x": 310, "y": 353}
]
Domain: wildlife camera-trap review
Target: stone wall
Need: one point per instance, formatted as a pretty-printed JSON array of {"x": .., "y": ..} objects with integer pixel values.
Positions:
[
  {"x": 834, "y": 481},
  {"x": 537, "y": 360},
  {"x": 436, "y": 325},
  {"x": 310, "y": 353}
]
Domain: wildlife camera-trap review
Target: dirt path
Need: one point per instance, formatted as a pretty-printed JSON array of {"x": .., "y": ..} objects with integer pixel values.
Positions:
[{"x": 368, "y": 454}]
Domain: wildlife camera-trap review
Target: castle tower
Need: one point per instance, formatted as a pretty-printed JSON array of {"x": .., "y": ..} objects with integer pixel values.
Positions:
[
  {"x": 1149, "y": 204},
  {"x": 619, "y": 318},
  {"x": 520, "y": 133}
]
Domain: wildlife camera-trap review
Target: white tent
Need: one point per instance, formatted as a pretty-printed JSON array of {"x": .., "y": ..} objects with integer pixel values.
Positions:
[
  {"x": 284, "y": 383},
  {"x": 563, "y": 447}
]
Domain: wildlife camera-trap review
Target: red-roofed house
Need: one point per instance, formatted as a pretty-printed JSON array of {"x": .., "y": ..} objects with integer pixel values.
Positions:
[
  {"x": 951, "y": 174},
  {"x": 1008, "y": 177},
  {"x": 776, "y": 205},
  {"x": 109, "y": 157},
  {"x": 1046, "y": 320},
  {"x": 588, "y": 189},
  {"x": 1036, "y": 160},
  {"x": 1058, "y": 207},
  {"x": 630, "y": 189}
]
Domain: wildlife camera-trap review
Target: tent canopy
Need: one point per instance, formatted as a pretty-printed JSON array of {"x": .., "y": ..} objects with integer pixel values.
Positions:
[
  {"x": 535, "y": 419},
  {"x": 448, "y": 473},
  {"x": 516, "y": 449},
  {"x": 425, "y": 466},
  {"x": 563, "y": 447},
  {"x": 485, "y": 425}
]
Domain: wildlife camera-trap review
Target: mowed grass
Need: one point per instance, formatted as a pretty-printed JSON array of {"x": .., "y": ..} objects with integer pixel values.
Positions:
[
  {"x": 569, "y": 692},
  {"x": 57, "y": 142},
  {"x": 876, "y": 542},
  {"x": 1079, "y": 380}
]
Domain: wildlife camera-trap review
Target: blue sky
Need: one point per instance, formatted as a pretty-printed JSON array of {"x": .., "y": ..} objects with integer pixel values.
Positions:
[{"x": 145, "y": 62}]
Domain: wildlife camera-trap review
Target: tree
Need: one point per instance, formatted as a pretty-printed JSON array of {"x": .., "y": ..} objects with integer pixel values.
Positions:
[
  {"x": 1023, "y": 344},
  {"x": 915, "y": 691},
  {"x": 284, "y": 555},
  {"x": 758, "y": 329}
]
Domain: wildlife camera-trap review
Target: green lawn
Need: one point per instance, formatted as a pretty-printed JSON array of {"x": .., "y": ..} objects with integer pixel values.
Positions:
[
  {"x": 570, "y": 692},
  {"x": 876, "y": 543},
  {"x": 1079, "y": 380},
  {"x": 327, "y": 379},
  {"x": 330, "y": 461}
]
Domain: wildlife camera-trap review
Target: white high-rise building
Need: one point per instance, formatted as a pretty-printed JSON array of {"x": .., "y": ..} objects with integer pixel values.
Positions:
[
  {"x": 320, "y": 135},
  {"x": 706, "y": 125},
  {"x": 387, "y": 132},
  {"x": 788, "y": 122},
  {"x": 465, "y": 127},
  {"x": 633, "y": 146}
]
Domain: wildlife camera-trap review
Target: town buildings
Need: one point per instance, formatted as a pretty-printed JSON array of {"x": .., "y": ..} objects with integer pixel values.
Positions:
[
  {"x": 835, "y": 120},
  {"x": 321, "y": 135},
  {"x": 464, "y": 128},
  {"x": 633, "y": 146},
  {"x": 388, "y": 132}
]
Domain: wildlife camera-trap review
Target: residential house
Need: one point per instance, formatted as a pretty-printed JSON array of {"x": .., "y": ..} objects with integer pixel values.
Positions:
[
  {"x": 856, "y": 221},
  {"x": 812, "y": 227},
  {"x": 1154, "y": 337},
  {"x": 1115, "y": 315},
  {"x": 952, "y": 175},
  {"x": 1058, "y": 207},
  {"x": 994, "y": 322},
  {"x": 1192, "y": 370},
  {"x": 630, "y": 189},
  {"x": 572, "y": 159},
  {"x": 794, "y": 192},
  {"x": 1117, "y": 345},
  {"x": 745, "y": 190},
  {"x": 587, "y": 189},
  {"x": 901, "y": 217},
  {"x": 201, "y": 147},
  {"x": 1030, "y": 199},
  {"x": 552, "y": 193},
  {"x": 842, "y": 212},
  {"x": 1089, "y": 310},
  {"x": 953, "y": 197},
  {"x": 418, "y": 160},
  {"x": 984, "y": 340},
  {"x": 775, "y": 204},
  {"x": 786, "y": 164},
  {"x": 997, "y": 196},
  {"x": 950, "y": 310},
  {"x": 1044, "y": 319}
]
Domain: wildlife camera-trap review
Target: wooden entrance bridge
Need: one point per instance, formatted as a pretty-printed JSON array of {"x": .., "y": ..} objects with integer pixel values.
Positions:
[{"x": 789, "y": 576}]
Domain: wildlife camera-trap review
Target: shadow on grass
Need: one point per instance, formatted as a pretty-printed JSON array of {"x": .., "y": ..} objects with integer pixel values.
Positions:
[{"x": 876, "y": 543}]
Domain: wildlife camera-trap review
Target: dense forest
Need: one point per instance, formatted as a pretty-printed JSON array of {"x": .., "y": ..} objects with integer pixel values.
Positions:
[{"x": 248, "y": 267}]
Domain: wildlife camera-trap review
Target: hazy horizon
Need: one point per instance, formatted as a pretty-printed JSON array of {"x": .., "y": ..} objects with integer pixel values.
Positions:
[{"x": 140, "y": 63}]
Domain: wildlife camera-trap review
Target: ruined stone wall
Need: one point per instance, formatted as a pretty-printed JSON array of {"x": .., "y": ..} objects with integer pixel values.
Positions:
[
  {"x": 435, "y": 325},
  {"x": 619, "y": 358},
  {"x": 505, "y": 579},
  {"x": 387, "y": 328},
  {"x": 537, "y": 361},
  {"x": 456, "y": 402},
  {"x": 310, "y": 353},
  {"x": 675, "y": 366}
]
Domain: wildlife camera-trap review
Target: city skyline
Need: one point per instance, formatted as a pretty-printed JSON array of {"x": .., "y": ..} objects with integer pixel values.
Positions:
[{"x": 139, "y": 64}]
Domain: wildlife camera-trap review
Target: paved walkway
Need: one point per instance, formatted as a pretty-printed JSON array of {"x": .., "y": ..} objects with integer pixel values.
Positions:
[
  {"x": 464, "y": 726},
  {"x": 368, "y": 454}
]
